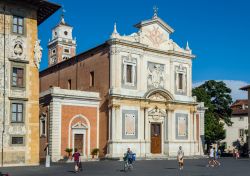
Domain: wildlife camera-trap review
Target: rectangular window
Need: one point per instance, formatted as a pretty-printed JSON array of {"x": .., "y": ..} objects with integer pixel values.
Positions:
[
  {"x": 18, "y": 24},
  {"x": 17, "y": 77},
  {"x": 241, "y": 131},
  {"x": 17, "y": 140},
  {"x": 69, "y": 84},
  {"x": 129, "y": 74},
  {"x": 42, "y": 126},
  {"x": 92, "y": 79},
  {"x": 180, "y": 81},
  {"x": 66, "y": 50},
  {"x": 17, "y": 112}
]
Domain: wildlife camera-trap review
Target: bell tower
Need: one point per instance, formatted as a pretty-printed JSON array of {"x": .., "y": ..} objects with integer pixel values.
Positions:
[{"x": 62, "y": 46}]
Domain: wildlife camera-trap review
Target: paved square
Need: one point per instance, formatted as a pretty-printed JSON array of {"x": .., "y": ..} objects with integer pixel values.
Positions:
[{"x": 228, "y": 167}]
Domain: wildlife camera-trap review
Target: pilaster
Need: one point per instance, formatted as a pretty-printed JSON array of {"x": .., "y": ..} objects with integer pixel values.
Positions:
[{"x": 55, "y": 130}]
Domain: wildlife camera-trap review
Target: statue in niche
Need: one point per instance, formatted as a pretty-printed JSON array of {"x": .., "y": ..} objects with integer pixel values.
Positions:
[
  {"x": 156, "y": 77},
  {"x": 37, "y": 53}
]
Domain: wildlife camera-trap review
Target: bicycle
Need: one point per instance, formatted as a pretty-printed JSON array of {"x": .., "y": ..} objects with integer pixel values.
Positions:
[
  {"x": 127, "y": 165},
  {"x": 128, "y": 162}
]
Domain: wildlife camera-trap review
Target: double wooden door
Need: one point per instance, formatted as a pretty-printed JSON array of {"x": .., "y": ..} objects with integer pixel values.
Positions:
[
  {"x": 78, "y": 142},
  {"x": 155, "y": 138}
]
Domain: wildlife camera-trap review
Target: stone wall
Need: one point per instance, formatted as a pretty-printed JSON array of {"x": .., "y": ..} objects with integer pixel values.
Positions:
[{"x": 26, "y": 154}]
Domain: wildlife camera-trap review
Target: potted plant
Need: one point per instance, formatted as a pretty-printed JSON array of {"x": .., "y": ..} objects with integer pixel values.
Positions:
[
  {"x": 94, "y": 152},
  {"x": 69, "y": 151}
]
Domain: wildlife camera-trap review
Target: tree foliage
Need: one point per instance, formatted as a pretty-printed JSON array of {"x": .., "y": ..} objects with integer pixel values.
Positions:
[{"x": 216, "y": 97}]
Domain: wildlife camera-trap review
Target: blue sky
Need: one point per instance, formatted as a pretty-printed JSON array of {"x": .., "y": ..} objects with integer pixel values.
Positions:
[{"x": 218, "y": 31}]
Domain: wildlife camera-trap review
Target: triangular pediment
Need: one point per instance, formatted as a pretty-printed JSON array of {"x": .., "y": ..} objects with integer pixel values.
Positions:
[
  {"x": 155, "y": 33},
  {"x": 158, "y": 21},
  {"x": 79, "y": 125}
]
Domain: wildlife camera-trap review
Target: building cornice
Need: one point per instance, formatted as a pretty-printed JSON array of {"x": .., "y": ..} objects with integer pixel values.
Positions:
[
  {"x": 147, "y": 48},
  {"x": 137, "y": 98},
  {"x": 56, "y": 92},
  {"x": 18, "y": 98}
]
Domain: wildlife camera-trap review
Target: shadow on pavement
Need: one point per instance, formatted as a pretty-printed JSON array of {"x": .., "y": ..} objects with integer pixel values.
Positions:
[
  {"x": 71, "y": 172},
  {"x": 171, "y": 168},
  {"x": 200, "y": 165}
]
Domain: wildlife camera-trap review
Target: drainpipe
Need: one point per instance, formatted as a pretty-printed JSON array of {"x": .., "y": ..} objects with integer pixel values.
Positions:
[{"x": 4, "y": 86}]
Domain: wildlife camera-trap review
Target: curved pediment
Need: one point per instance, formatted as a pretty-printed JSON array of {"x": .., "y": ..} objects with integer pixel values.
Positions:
[{"x": 159, "y": 95}]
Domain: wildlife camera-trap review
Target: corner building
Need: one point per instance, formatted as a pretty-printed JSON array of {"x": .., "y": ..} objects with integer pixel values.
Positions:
[
  {"x": 145, "y": 85},
  {"x": 20, "y": 56}
]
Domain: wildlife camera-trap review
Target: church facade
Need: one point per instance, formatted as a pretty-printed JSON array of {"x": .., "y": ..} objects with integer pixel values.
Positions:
[{"x": 145, "y": 85}]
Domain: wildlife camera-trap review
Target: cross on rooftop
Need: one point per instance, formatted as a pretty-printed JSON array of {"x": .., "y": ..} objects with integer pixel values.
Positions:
[{"x": 155, "y": 8}]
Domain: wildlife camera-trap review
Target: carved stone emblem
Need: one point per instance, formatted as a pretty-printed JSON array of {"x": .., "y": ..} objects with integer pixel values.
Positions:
[
  {"x": 18, "y": 46},
  {"x": 157, "y": 97},
  {"x": 18, "y": 49},
  {"x": 37, "y": 53},
  {"x": 156, "y": 76},
  {"x": 156, "y": 114},
  {"x": 156, "y": 36}
]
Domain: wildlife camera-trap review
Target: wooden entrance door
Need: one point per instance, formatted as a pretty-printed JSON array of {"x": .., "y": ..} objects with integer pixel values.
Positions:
[
  {"x": 155, "y": 138},
  {"x": 78, "y": 143}
]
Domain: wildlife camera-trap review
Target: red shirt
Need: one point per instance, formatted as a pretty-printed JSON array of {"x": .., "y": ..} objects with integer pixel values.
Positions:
[{"x": 76, "y": 156}]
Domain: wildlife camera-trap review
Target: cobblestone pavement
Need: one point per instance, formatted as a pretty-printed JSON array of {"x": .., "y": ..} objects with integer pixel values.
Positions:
[{"x": 193, "y": 167}]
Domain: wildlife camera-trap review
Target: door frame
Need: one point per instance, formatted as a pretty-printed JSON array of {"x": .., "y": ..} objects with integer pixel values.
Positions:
[
  {"x": 79, "y": 131},
  {"x": 161, "y": 137}
]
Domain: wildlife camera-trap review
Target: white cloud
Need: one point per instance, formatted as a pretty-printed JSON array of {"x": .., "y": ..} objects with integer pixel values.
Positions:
[{"x": 234, "y": 85}]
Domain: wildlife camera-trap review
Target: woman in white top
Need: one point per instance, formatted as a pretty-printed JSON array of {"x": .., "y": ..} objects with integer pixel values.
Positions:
[
  {"x": 211, "y": 157},
  {"x": 180, "y": 158}
]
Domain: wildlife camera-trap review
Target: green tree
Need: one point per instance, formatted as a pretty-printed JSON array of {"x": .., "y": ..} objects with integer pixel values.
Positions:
[
  {"x": 216, "y": 97},
  {"x": 220, "y": 97}
]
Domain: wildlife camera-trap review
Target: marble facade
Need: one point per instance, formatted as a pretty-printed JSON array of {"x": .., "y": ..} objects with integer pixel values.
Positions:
[{"x": 160, "y": 92}]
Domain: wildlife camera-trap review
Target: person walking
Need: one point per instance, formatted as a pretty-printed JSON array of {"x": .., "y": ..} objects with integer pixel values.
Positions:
[
  {"x": 76, "y": 157},
  {"x": 237, "y": 154},
  {"x": 180, "y": 158},
  {"x": 211, "y": 157},
  {"x": 216, "y": 157}
]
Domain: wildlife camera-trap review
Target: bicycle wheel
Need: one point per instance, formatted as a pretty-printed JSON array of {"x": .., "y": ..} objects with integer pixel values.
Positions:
[{"x": 125, "y": 166}]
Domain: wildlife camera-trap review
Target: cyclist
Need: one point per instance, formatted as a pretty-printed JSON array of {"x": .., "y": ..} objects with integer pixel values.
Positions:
[{"x": 128, "y": 158}]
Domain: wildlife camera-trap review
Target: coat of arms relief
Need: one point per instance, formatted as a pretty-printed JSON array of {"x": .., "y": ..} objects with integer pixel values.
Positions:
[
  {"x": 156, "y": 75},
  {"x": 156, "y": 36},
  {"x": 18, "y": 48}
]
